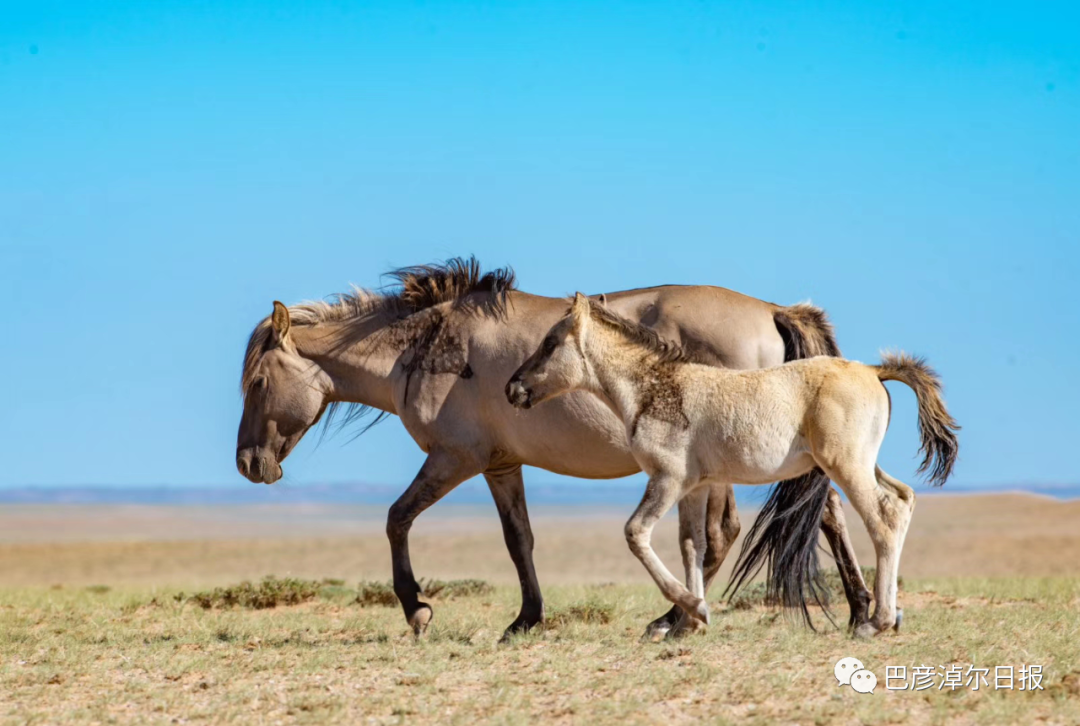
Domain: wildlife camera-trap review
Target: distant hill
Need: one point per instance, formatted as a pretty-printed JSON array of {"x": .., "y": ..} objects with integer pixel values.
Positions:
[
  {"x": 472, "y": 492},
  {"x": 591, "y": 493}
]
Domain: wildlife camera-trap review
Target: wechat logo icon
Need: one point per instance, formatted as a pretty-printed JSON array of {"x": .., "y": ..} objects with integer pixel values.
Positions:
[{"x": 850, "y": 672}]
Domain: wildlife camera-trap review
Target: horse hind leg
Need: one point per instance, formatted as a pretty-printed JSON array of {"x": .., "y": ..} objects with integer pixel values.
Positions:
[
  {"x": 885, "y": 506},
  {"x": 834, "y": 527},
  {"x": 907, "y": 495}
]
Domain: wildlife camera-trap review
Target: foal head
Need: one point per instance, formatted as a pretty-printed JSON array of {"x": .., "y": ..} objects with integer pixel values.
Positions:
[
  {"x": 558, "y": 365},
  {"x": 285, "y": 394}
]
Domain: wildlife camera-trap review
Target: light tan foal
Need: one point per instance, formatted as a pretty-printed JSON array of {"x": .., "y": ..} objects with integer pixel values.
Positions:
[{"x": 691, "y": 425}]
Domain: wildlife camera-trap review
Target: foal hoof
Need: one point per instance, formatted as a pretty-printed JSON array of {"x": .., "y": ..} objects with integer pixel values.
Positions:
[
  {"x": 899, "y": 619},
  {"x": 701, "y": 611},
  {"x": 420, "y": 618},
  {"x": 865, "y": 631}
]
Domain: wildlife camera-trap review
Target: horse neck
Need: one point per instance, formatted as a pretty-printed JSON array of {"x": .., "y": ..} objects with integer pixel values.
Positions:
[
  {"x": 619, "y": 368},
  {"x": 357, "y": 358}
]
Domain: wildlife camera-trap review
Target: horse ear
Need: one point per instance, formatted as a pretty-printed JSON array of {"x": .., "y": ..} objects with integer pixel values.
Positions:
[
  {"x": 603, "y": 299},
  {"x": 280, "y": 321},
  {"x": 580, "y": 308},
  {"x": 581, "y": 303}
]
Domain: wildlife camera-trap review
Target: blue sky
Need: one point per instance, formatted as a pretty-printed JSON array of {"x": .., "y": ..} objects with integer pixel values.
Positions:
[{"x": 168, "y": 169}]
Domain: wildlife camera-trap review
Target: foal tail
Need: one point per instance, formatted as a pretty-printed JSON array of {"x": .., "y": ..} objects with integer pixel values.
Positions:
[
  {"x": 937, "y": 429},
  {"x": 783, "y": 538}
]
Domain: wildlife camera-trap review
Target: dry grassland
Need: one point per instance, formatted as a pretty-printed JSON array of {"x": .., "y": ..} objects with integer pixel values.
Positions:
[{"x": 95, "y": 630}]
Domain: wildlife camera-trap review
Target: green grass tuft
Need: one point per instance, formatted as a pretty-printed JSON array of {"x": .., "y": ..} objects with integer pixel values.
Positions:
[
  {"x": 270, "y": 593},
  {"x": 451, "y": 589},
  {"x": 375, "y": 594},
  {"x": 590, "y": 612},
  {"x": 381, "y": 594}
]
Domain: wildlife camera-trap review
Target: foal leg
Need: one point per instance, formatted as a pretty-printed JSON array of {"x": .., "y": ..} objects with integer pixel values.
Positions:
[
  {"x": 440, "y": 473},
  {"x": 508, "y": 490},
  {"x": 692, "y": 513},
  {"x": 886, "y": 509},
  {"x": 721, "y": 530},
  {"x": 661, "y": 493},
  {"x": 907, "y": 495},
  {"x": 834, "y": 527}
]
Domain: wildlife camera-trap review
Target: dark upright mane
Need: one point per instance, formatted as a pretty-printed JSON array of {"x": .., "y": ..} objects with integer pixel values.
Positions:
[
  {"x": 424, "y": 286},
  {"x": 419, "y": 287},
  {"x": 665, "y": 351}
]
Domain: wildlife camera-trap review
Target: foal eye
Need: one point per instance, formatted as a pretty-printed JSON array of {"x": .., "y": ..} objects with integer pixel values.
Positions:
[
  {"x": 259, "y": 383},
  {"x": 549, "y": 345}
]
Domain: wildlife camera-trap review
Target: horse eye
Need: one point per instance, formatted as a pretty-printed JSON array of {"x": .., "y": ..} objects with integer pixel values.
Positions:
[
  {"x": 260, "y": 383},
  {"x": 549, "y": 345}
]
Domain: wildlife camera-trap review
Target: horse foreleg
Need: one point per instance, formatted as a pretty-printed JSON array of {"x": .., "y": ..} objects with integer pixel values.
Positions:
[
  {"x": 508, "y": 490},
  {"x": 440, "y": 473},
  {"x": 722, "y": 529},
  {"x": 661, "y": 494},
  {"x": 692, "y": 525}
]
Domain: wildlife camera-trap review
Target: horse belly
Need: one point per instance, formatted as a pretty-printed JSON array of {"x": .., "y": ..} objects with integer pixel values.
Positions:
[
  {"x": 755, "y": 456},
  {"x": 575, "y": 434}
]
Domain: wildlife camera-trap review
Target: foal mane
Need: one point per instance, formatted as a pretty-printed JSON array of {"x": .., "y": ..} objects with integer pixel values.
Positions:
[
  {"x": 645, "y": 337},
  {"x": 459, "y": 280}
]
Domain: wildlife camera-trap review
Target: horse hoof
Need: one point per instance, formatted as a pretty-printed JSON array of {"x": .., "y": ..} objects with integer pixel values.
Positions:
[
  {"x": 865, "y": 631},
  {"x": 518, "y": 627},
  {"x": 656, "y": 632},
  {"x": 658, "y": 629},
  {"x": 685, "y": 627},
  {"x": 420, "y": 618},
  {"x": 899, "y": 619},
  {"x": 701, "y": 611}
]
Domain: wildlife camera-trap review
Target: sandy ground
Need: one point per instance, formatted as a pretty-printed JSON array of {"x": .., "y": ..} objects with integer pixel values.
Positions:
[{"x": 951, "y": 535}]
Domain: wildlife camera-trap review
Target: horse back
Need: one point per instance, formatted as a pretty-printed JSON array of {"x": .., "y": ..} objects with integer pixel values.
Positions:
[
  {"x": 577, "y": 434},
  {"x": 717, "y": 325}
]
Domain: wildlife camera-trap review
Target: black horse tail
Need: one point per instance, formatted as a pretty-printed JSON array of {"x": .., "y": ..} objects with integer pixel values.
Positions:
[{"x": 784, "y": 537}]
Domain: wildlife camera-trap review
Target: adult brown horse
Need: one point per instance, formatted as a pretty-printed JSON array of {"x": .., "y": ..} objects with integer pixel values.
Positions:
[{"x": 437, "y": 352}]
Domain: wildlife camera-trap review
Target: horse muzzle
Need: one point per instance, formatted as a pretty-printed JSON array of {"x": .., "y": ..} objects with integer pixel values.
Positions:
[
  {"x": 517, "y": 394},
  {"x": 258, "y": 466}
]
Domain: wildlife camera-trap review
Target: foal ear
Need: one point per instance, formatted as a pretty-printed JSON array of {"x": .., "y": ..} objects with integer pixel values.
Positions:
[
  {"x": 580, "y": 310},
  {"x": 603, "y": 299},
  {"x": 280, "y": 321}
]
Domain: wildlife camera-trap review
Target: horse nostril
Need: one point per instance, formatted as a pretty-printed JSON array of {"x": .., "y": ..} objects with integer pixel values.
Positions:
[
  {"x": 243, "y": 462},
  {"x": 517, "y": 394},
  {"x": 257, "y": 467}
]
